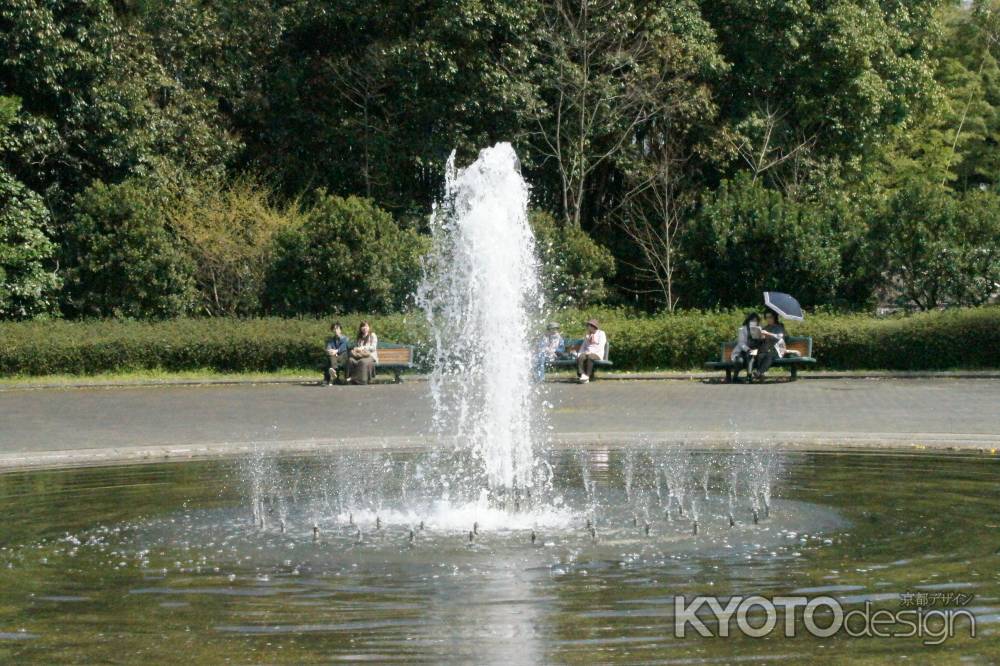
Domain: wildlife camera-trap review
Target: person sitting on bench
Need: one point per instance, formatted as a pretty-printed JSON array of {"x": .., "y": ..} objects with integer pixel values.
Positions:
[
  {"x": 748, "y": 338},
  {"x": 550, "y": 347},
  {"x": 336, "y": 352},
  {"x": 591, "y": 349},
  {"x": 773, "y": 345},
  {"x": 364, "y": 356}
]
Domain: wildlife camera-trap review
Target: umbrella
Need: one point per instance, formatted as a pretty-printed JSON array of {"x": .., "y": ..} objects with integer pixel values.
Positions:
[{"x": 784, "y": 305}]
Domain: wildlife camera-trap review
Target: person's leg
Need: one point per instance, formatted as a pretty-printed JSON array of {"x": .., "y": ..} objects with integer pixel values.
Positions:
[
  {"x": 588, "y": 364},
  {"x": 764, "y": 359},
  {"x": 363, "y": 370},
  {"x": 331, "y": 369},
  {"x": 580, "y": 361}
]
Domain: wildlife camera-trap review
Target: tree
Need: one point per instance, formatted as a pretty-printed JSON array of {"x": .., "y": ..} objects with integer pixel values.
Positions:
[
  {"x": 575, "y": 269},
  {"x": 603, "y": 71},
  {"x": 348, "y": 255},
  {"x": 28, "y": 285},
  {"x": 746, "y": 239},
  {"x": 228, "y": 229},
  {"x": 121, "y": 259},
  {"x": 97, "y": 105},
  {"x": 818, "y": 81},
  {"x": 937, "y": 249},
  {"x": 663, "y": 168},
  {"x": 372, "y": 97}
]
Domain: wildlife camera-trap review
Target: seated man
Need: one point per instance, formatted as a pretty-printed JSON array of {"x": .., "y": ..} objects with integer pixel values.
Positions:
[
  {"x": 591, "y": 349},
  {"x": 550, "y": 347},
  {"x": 336, "y": 352}
]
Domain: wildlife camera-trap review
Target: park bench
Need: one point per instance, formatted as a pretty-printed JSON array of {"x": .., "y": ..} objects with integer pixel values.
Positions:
[
  {"x": 392, "y": 357},
  {"x": 574, "y": 345},
  {"x": 801, "y": 355}
]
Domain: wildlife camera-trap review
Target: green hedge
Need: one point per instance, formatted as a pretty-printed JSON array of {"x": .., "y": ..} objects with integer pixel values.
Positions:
[
  {"x": 960, "y": 338},
  {"x": 967, "y": 338}
]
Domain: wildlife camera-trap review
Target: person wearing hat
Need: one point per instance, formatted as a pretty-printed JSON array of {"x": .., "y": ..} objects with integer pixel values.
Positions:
[
  {"x": 550, "y": 347},
  {"x": 591, "y": 349}
]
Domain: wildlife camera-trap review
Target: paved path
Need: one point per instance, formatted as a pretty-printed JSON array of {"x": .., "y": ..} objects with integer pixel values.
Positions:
[{"x": 47, "y": 427}]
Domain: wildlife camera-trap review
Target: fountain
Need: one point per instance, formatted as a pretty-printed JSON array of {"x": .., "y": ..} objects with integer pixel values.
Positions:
[
  {"x": 483, "y": 302},
  {"x": 492, "y": 545}
]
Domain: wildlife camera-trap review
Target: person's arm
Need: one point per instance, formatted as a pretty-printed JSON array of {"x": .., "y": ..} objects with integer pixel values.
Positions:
[{"x": 561, "y": 347}]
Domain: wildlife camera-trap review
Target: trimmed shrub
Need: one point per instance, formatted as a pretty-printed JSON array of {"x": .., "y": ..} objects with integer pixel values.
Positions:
[
  {"x": 940, "y": 340},
  {"x": 574, "y": 265},
  {"x": 961, "y": 338},
  {"x": 27, "y": 285},
  {"x": 348, "y": 255},
  {"x": 746, "y": 239},
  {"x": 121, "y": 258}
]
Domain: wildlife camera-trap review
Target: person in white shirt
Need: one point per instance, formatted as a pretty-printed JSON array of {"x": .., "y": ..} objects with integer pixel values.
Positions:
[
  {"x": 591, "y": 349},
  {"x": 550, "y": 347}
]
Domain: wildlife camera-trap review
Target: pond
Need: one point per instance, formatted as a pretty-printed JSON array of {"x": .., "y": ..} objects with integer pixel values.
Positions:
[{"x": 350, "y": 557}]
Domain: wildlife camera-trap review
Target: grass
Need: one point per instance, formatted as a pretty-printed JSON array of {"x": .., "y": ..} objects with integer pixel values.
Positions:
[{"x": 154, "y": 376}]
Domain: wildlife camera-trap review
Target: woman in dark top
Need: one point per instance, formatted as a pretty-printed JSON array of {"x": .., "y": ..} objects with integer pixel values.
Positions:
[
  {"x": 747, "y": 338},
  {"x": 773, "y": 344}
]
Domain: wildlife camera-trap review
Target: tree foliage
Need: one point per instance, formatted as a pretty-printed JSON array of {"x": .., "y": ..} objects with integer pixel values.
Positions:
[
  {"x": 347, "y": 255},
  {"x": 691, "y": 139},
  {"x": 575, "y": 269},
  {"x": 121, "y": 258}
]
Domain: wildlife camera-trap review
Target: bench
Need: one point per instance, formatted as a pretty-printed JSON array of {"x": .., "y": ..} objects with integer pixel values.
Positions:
[
  {"x": 574, "y": 345},
  {"x": 392, "y": 357},
  {"x": 804, "y": 357}
]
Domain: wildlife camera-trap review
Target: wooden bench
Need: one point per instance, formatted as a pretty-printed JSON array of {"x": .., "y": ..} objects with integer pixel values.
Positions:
[
  {"x": 392, "y": 357},
  {"x": 574, "y": 345},
  {"x": 802, "y": 345}
]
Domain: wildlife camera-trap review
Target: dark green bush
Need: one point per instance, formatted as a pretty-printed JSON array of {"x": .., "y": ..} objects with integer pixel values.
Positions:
[
  {"x": 574, "y": 266},
  {"x": 959, "y": 338},
  {"x": 28, "y": 285},
  {"x": 121, "y": 258},
  {"x": 746, "y": 239},
  {"x": 966, "y": 338},
  {"x": 348, "y": 255}
]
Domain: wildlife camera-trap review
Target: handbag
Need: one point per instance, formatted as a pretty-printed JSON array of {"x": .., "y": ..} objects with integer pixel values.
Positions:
[{"x": 359, "y": 353}]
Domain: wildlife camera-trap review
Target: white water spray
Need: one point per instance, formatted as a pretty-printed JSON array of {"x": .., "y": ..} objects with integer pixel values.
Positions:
[{"x": 481, "y": 295}]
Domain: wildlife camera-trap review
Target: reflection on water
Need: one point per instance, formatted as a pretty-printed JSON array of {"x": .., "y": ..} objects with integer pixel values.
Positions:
[{"x": 168, "y": 562}]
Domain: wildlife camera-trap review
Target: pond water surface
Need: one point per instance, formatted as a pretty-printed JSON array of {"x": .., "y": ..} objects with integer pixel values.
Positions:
[{"x": 168, "y": 562}]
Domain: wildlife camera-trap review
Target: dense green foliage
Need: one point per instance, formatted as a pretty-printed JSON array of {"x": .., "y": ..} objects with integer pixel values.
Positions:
[
  {"x": 27, "y": 286},
  {"x": 746, "y": 239},
  {"x": 346, "y": 255},
  {"x": 575, "y": 269},
  {"x": 121, "y": 258},
  {"x": 961, "y": 338},
  {"x": 688, "y": 153}
]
